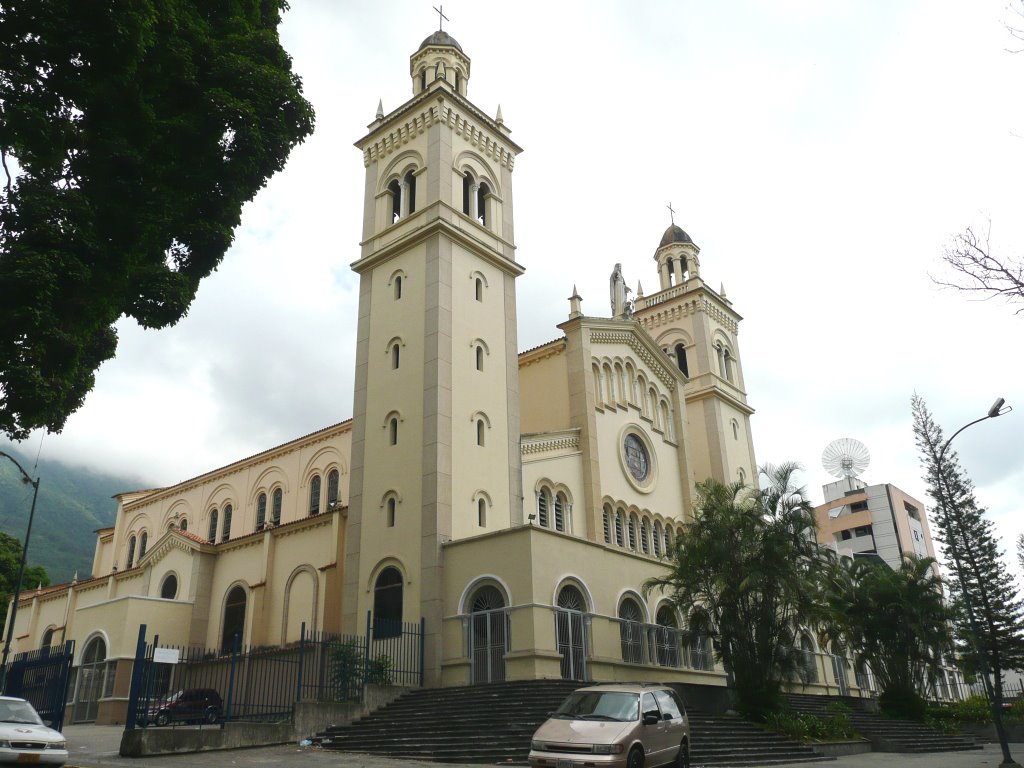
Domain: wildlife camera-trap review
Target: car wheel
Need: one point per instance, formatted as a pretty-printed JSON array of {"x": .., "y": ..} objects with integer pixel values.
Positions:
[
  {"x": 212, "y": 715},
  {"x": 635, "y": 759},
  {"x": 683, "y": 758},
  {"x": 162, "y": 718}
]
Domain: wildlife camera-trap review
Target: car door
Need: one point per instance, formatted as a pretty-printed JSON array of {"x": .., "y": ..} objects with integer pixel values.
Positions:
[
  {"x": 654, "y": 736},
  {"x": 674, "y": 718}
]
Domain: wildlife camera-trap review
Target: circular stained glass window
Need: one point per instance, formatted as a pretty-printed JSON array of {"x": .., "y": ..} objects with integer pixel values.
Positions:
[{"x": 636, "y": 458}]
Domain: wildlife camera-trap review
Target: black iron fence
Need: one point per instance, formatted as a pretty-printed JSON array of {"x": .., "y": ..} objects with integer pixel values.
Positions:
[
  {"x": 41, "y": 677},
  {"x": 196, "y": 686}
]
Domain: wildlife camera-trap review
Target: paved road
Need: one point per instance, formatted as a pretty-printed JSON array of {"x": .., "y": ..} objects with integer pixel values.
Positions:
[{"x": 95, "y": 746}]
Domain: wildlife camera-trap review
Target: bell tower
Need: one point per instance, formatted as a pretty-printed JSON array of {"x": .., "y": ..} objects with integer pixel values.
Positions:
[
  {"x": 435, "y": 438},
  {"x": 699, "y": 329}
]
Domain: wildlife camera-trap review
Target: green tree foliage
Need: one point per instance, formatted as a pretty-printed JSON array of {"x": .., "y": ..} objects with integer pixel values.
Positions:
[
  {"x": 133, "y": 133},
  {"x": 742, "y": 571},
  {"x": 894, "y": 620},
  {"x": 10, "y": 559},
  {"x": 971, "y": 550}
]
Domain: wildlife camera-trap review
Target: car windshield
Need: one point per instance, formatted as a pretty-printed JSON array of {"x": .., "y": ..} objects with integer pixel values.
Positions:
[
  {"x": 18, "y": 712},
  {"x": 173, "y": 697},
  {"x": 601, "y": 705}
]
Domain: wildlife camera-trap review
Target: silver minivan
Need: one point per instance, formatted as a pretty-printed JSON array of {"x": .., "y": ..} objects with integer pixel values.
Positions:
[{"x": 623, "y": 724}]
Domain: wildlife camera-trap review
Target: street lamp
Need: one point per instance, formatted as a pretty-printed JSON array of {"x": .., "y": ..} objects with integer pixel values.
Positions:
[
  {"x": 998, "y": 408},
  {"x": 27, "y": 479}
]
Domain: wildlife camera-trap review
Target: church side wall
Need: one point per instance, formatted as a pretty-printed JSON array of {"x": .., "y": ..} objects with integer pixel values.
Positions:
[{"x": 543, "y": 385}]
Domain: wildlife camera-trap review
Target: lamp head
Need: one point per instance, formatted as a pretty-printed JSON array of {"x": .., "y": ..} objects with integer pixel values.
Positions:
[{"x": 997, "y": 408}]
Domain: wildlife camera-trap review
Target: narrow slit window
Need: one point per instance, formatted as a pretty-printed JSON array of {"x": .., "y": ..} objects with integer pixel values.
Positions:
[
  {"x": 314, "y": 495},
  {"x": 391, "y": 512},
  {"x": 559, "y": 512},
  {"x": 479, "y": 431},
  {"x": 393, "y": 431},
  {"x": 225, "y": 530},
  {"x": 478, "y": 289},
  {"x": 398, "y": 287},
  {"x": 423, "y": 79},
  {"x": 482, "y": 194},
  {"x": 396, "y": 200},
  {"x": 479, "y": 358},
  {"x": 410, "y": 188},
  {"x": 212, "y": 537},
  {"x": 131, "y": 553},
  {"x": 607, "y": 526},
  {"x": 542, "y": 509},
  {"x": 275, "y": 515},
  {"x": 481, "y": 513},
  {"x": 261, "y": 512},
  {"x": 395, "y": 356},
  {"x": 467, "y": 192}
]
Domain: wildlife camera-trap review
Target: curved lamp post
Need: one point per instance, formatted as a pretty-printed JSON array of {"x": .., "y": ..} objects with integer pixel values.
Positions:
[
  {"x": 998, "y": 408},
  {"x": 27, "y": 479}
]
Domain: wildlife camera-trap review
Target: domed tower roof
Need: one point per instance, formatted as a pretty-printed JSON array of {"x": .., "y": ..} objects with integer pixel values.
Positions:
[
  {"x": 441, "y": 38},
  {"x": 674, "y": 234}
]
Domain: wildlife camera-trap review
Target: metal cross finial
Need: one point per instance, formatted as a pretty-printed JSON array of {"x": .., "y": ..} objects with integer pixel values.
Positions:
[
  {"x": 441, "y": 18},
  {"x": 671, "y": 213}
]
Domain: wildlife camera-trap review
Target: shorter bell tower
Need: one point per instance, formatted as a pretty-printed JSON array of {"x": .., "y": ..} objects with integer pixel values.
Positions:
[{"x": 699, "y": 329}]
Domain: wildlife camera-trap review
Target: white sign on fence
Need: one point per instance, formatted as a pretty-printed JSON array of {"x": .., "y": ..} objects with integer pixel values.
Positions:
[{"x": 166, "y": 655}]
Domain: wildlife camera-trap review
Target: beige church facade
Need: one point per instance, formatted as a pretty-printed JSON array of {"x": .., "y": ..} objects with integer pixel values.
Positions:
[{"x": 513, "y": 501}]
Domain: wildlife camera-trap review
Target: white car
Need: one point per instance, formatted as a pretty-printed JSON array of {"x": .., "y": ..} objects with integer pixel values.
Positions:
[{"x": 24, "y": 740}]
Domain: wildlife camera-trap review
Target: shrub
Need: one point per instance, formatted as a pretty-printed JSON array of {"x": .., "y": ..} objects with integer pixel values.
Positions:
[
  {"x": 902, "y": 703},
  {"x": 804, "y": 726}
]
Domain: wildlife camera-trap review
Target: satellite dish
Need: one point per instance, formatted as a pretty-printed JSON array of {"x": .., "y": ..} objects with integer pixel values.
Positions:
[{"x": 845, "y": 457}]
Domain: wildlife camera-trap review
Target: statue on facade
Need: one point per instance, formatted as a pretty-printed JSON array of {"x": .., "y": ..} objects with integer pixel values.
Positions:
[{"x": 619, "y": 294}]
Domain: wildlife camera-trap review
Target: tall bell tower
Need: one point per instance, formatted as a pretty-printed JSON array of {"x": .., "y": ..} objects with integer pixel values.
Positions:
[
  {"x": 699, "y": 329},
  {"x": 435, "y": 439}
]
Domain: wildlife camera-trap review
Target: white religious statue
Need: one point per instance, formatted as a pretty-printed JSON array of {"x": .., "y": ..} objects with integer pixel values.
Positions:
[{"x": 619, "y": 294}]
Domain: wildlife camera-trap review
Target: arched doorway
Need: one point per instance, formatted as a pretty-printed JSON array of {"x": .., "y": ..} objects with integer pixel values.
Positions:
[
  {"x": 92, "y": 681},
  {"x": 808, "y": 661},
  {"x": 234, "y": 619},
  {"x": 570, "y": 632},
  {"x": 631, "y": 619},
  {"x": 489, "y": 635},
  {"x": 666, "y": 640},
  {"x": 387, "y": 604}
]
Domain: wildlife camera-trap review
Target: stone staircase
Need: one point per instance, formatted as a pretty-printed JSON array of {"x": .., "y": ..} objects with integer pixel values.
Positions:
[
  {"x": 885, "y": 734},
  {"x": 494, "y": 723}
]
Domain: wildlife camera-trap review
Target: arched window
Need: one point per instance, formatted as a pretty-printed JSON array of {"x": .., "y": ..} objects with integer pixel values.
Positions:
[
  {"x": 571, "y": 599},
  {"x": 395, "y": 355},
  {"x": 656, "y": 538},
  {"x": 169, "y": 589},
  {"x": 607, "y": 524},
  {"x": 183, "y": 525},
  {"x": 393, "y": 431},
  {"x": 560, "y": 512},
  {"x": 212, "y": 537},
  {"x": 631, "y": 619},
  {"x": 314, "y": 495},
  {"x": 396, "y": 200},
  {"x": 644, "y": 537},
  {"x": 275, "y": 513},
  {"x": 234, "y": 619},
  {"x": 391, "y": 506},
  {"x": 423, "y": 79},
  {"x": 741, "y": 475},
  {"x": 618, "y": 528},
  {"x": 735, "y": 430},
  {"x": 131, "y": 553},
  {"x": 808, "y": 662},
  {"x": 333, "y": 478},
  {"x": 727, "y": 359},
  {"x": 479, "y": 431},
  {"x": 681, "y": 359},
  {"x": 458, "y": 81},
  {"x": 410, "y": 189},
  {"x": 668, "y": 539},
  {"x": 398, "y": 287},
  {"x": 482, "y": 193},
  {"x": 261, "y": 511},
  {"x": 479, "y": 358},
  {"x": 481, "y": 513},
  {"x": 47, "y": 639},
  {"x": 225, "y": 530},
  {"x": 543, "y": 507},
  {"x": 467, "y": 193},
  {"x": 387, "y": 604},
  {"x": 478, "y": 289},
  {"x": 632, "y": 531},
  {"x": 143, "y": 541}
]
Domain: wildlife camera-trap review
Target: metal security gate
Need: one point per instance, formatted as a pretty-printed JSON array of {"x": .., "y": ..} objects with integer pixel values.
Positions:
[
  {"x": 489, "y": 639},
  {"x": 839, "y": 669},
  {"x": 41, "y": 677},
  {"x": 572, "y": 643}
]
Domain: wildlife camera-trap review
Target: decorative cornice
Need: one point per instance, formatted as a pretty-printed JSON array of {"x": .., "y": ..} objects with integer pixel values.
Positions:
[
  {"x": 659, "y": 367},
  {"x": 545, "y": 442},
  {"x": 401, "y": 133},
  {"x": 543, "y": 352}
]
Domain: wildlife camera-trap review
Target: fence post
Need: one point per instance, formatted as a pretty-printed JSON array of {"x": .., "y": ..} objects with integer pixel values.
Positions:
[
  {"x": 366, "y": 656},
  {"x": 423, "y": 646},
  {"x": 231, "y": 676},
  {"x": 302, "y": 659},
  {"x": 133, "y": 692}
]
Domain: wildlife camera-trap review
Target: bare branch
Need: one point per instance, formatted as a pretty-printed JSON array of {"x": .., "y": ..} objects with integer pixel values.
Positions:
[{"x": 975, "y": 270}]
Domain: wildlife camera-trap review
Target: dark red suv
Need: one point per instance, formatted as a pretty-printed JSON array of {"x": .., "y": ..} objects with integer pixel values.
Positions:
[{"x": 191, "y": 705}]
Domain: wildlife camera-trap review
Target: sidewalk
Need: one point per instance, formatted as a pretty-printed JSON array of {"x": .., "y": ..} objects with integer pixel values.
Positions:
[{"x": 95, "y": 746}]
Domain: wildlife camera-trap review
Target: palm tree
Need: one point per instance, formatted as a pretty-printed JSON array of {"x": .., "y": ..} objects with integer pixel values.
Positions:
[
  {"x": 743, "y": 569},
  {"x": 895, "y": 620}
]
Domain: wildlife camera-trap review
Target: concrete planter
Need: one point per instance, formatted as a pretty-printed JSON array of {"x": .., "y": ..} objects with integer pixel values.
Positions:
[
  {"x": 841, "y": 748},
  {"x": 987, "y": 731}
]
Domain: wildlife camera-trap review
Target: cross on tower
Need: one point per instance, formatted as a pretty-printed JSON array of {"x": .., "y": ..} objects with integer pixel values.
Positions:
[
  {"x": 671, "y": 213},
  {"x": 441, "y": 18}
]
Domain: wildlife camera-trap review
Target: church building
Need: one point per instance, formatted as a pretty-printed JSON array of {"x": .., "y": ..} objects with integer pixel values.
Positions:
[{"x": 513, "y": 501}]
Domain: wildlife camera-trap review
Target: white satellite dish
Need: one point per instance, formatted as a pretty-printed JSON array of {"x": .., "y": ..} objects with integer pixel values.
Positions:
[{"x": 845, "y": 457}]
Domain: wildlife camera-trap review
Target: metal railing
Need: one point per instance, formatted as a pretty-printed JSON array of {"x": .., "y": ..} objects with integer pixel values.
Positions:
[{"x": 660, "y": 646}]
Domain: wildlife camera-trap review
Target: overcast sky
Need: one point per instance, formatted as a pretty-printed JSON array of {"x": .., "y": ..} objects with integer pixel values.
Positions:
[{"x": 821, "y": 154}]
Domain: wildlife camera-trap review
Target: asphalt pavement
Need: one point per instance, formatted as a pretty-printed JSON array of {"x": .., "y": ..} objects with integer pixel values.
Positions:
[{"x": 96, "y": 746}]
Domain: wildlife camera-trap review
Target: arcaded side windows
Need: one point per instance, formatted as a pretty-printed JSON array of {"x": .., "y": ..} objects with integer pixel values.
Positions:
[
  {"x": 396, "y": 200},
  {"x": 467, "y": 193},
  {"x": 261, "y": 511},
  {"x": 410, "y": 190},
  {"x": 481, "y": 203},
  {"x": 212, "y": 532},
  {"x": 681, "y": 359},
  {"x": 225, "y": 531},
  {"x": 131, "y": 553},
  {"x": 543, "y": 504},
  {"x": 314, "y": 495},
  {"x": 607, "y": 520},
  {"x": 143, "y": 541},
  {"x": 333, "y": 478},
  {"x": 275, "y": 515}
]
